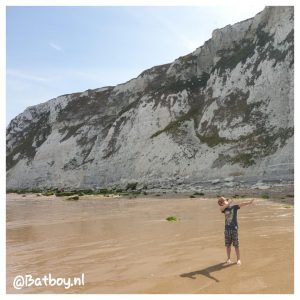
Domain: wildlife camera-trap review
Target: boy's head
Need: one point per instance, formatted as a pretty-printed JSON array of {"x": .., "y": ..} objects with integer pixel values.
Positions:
[{"x": 222, "y": 201}]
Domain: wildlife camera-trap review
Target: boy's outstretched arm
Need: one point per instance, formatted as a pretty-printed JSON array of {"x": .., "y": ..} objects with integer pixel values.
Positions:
[{"x": 246, "y": 203}]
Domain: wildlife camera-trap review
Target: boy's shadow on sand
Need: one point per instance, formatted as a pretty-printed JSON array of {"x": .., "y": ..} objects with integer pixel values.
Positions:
[{"x": 206, "y": 272}]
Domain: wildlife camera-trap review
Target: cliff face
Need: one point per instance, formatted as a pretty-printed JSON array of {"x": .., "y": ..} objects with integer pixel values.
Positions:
[{"x": 224, "y": 110}]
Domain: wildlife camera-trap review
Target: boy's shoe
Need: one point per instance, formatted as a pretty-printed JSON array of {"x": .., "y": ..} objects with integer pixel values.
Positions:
[
  {"x": 239, "y": 262},
  {"x": 228, "y": 261}
]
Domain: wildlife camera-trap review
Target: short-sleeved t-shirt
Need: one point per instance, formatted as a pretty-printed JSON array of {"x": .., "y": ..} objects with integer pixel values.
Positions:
[{"x": 231, "y": 217}]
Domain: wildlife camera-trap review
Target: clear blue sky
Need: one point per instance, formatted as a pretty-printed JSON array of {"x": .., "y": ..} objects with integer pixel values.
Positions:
[{"x": 57, "y": 50}]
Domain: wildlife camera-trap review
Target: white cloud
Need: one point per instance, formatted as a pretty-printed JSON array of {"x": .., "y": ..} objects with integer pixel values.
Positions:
[
  {"x": 55, "y": 46},
  {"x": 25, "y": 75}
]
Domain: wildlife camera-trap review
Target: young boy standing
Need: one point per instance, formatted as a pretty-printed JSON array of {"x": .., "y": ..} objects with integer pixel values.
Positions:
[{"x": 231, "y": 226}]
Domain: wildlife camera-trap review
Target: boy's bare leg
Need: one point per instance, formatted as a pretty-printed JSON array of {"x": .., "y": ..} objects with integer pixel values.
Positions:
[
  {"x": 238, "y": 257},
  {"x": 228, "y": 251}
]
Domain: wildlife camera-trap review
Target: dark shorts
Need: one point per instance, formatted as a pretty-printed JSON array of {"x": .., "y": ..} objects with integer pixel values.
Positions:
[{"x": 231, "y": 237}]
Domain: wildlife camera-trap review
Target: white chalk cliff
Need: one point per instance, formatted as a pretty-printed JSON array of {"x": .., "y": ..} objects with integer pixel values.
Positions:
[{"x": 225, "y": 110}]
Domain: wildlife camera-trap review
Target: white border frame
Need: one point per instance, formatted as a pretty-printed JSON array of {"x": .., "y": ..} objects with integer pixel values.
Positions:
[{"x": 3, "y": 5}]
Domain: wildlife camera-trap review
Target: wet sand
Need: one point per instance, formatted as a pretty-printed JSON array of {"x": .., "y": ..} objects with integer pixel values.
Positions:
[{"x": 126, "y": 246}]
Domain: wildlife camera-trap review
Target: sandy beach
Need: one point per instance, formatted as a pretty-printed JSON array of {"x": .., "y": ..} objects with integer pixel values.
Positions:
[{"x": 125, "y": 245}]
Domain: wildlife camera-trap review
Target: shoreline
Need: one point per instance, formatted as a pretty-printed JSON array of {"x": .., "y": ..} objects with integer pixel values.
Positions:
[{"x": 281, "y": 194}]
